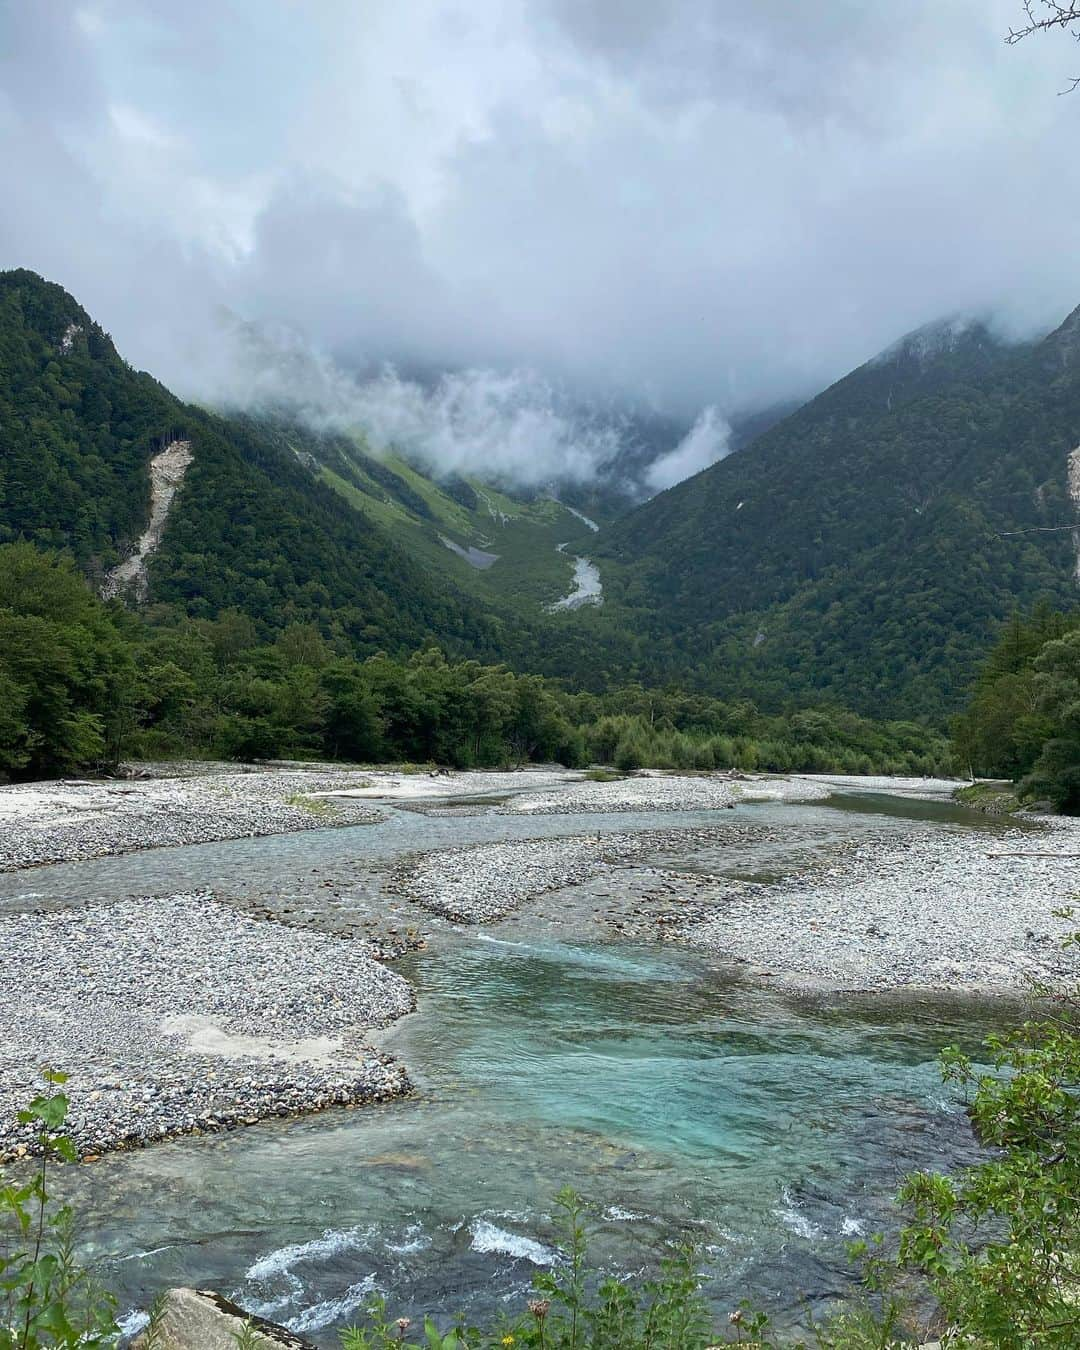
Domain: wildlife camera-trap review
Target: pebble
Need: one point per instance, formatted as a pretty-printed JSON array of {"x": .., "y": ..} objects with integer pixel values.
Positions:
[
  {"x": 484, "y": 882},
  {"x": 664, "y": 792},
  {"x": 943, "y": 909},
  {"x": 74, "y": 821},
  {"x": 97, "y": 992}
]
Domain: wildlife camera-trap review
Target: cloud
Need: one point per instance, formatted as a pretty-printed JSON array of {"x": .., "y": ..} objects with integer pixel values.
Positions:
[
  {"x": 675, "y": 205},
  {"x": 706, "y": 442},
  {"x": 504, "y": 426},
  {"x": 510, "y": 426}
]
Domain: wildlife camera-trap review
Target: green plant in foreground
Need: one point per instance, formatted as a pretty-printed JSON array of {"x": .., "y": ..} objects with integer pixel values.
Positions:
[
  {"x": 46, "y": 1298},
  {"x": 247, "y": 1338},
  {"x": 665, "y": 1313},
  {"x": 999, "y": 1244}
]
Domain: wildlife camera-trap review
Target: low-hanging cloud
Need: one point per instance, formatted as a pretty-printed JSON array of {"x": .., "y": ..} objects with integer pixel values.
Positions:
[
  {"x": 675, "y": 204},
  {"x": 510, "y": 426},
  {"x": 504, "y": 426},
  {"x": 707, "y": 441}
]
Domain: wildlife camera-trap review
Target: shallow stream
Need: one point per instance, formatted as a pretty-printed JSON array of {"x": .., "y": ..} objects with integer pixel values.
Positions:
[{"x": 680, "y": 1100}]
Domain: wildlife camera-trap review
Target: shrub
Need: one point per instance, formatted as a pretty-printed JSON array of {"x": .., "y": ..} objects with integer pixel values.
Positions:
[
  {"x": 46, "y": 1298},
  {"x": 667, "y": 1313},
  {"x": 1018, "y": 1286}
]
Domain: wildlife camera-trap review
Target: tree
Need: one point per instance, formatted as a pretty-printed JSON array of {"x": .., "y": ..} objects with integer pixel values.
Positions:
[
  {"x": 66, "y": 672},
  {"x": 999, "y": 1242},
  {"x": 1057, "y": 691},
  {"x": 1044, "y": 15}
]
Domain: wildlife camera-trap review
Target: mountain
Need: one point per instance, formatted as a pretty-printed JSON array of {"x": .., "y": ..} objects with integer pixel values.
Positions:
[
  {"x": 251, "y": 527},
  {"x": 863, "y": 549},
  {"x": 266, "y": 516},
  {"x": 867, "y": 546},
  {"x": 499, "y": 546}
]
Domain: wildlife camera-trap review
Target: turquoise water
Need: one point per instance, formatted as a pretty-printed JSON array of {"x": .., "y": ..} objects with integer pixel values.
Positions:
[
  {"x": 680, "y": 1101},
  {"x": 682, "y": 1105}
]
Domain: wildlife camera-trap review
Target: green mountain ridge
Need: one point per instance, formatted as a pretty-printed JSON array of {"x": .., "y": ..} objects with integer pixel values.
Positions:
[
  {"x": 869, "y": 546},
  {"x": 251, "y": 529},
  {"x": 273, "y": 519},
  {"x": 495, "y": 545},
  {"x": 863, "y": 550}
]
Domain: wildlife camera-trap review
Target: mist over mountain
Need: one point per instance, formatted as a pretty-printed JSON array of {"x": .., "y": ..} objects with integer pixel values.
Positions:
[
  {"x": 664, "y": 208},
  {"x": 866, "y": 545},
  {"x": 513, "y": 427}
]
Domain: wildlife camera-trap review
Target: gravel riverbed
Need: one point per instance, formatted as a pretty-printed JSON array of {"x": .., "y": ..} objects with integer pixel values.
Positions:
[
  {"x": 71, "y": 821},
  {"x": 175, "y": 1014},
  {"x": 189, "y": 1013},
  {"x": 944, "y": 909},
  {"x": 484, "y": 882},
  {"x": 657, "y": 791}
]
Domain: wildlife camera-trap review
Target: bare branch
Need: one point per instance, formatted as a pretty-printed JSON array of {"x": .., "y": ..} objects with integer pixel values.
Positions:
[{"x": 1042, "y": 15}]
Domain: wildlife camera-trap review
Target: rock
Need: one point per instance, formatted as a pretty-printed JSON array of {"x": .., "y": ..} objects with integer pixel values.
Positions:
[{"x": 200, "y": 1319}]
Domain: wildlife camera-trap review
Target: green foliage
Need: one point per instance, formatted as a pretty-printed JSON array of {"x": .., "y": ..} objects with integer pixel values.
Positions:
[
  {"x": 247, "y": 1338},
  {"x": 78, "y": 427},
  {"x": 995, "y": 801},
  {"x": 999, "y": 1244},
  {"x": 252, "y": 528},
  {"x": 572, "y": 1310},
  {"x": 867, "y": 545},
  {"x": 66, "y": 671},
  {"x": 1023, "y": 721},
  {"x": 85, "y": 683},
  {"x": 46, "y": 1298}
]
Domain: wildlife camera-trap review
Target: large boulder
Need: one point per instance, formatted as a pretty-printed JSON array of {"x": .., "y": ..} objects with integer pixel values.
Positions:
[{"x": 199, "y": 1319}]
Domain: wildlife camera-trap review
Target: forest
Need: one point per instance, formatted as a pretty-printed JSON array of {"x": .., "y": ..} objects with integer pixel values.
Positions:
[
  {"x": 1023, "y": 719},
  {"x": 84, "y": 684},
  {"x": 870, "y": 543},
  {"x": 860, "y": 555}
]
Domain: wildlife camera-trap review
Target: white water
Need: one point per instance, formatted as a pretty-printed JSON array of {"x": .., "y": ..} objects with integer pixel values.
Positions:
[
  {"x": 488, "y": 1237},
  {"x": 588, "y": 589}
]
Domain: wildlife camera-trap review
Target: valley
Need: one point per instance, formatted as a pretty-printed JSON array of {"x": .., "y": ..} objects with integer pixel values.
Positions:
[
  {"x": 539, "y": 676},
  {"x": 665, "y": 880}
]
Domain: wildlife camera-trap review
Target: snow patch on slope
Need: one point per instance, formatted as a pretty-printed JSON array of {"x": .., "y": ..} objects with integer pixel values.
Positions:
[
  {"x": 588, "y": 589},
  {"x": 581, "y": 516},
  {"x": 475, "y": 557}
]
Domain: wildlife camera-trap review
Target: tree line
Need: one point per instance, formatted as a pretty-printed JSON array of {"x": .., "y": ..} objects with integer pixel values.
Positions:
[{"x": 84, "y": 684}]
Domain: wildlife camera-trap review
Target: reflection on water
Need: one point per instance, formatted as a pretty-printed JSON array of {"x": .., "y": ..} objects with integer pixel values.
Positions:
[{"x": 921, "y": 808}]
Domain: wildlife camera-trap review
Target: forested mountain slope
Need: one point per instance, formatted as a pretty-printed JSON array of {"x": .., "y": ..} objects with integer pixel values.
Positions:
[
  {"x": 869, "y": 544},
  {"x": 501, "y": 547},
  {"x": 252, "y": 527}
]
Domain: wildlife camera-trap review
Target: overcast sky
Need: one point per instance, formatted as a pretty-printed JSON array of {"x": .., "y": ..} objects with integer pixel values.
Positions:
[{"x": 694, "y": 202}]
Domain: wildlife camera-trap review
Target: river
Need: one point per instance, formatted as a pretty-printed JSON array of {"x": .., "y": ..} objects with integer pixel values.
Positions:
[{"x": 682, "y": 1101}]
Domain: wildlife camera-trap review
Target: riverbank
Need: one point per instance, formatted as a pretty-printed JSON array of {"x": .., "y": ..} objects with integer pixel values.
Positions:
[
  {"x": 952, "y": 910},
  {"x": 74, "y": 820},
  {"x": 660, "y": 790},
  {"x": 177, "y": 1015},
  {"x": 483, "y": 883},
  {"x": 943, "y": 910},
  {"x": 193, "y": 1012}
]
